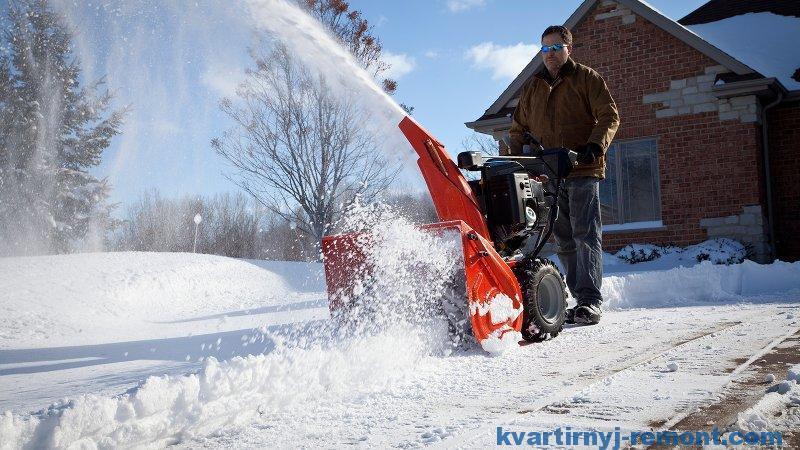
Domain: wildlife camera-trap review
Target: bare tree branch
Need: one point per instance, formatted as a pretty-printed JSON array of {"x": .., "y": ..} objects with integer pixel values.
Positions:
[{"x": 296, "y": 147}]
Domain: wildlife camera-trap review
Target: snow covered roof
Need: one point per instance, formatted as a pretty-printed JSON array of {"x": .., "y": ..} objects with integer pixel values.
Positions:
[
  {"x": 716, "y": 10},
  {"x": 769, "y": 44}
]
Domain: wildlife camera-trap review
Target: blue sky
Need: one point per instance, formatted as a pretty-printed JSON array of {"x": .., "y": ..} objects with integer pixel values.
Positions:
[
  {"x": 173, "y": 60},
  {"x": 455, "y": 78}
]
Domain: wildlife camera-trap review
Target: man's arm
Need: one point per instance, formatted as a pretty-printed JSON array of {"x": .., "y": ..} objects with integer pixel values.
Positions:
[
  {"x": 516, "y": 132},
  {"x": 519, "y": 122},
  {"x": 604, "y": 111}
]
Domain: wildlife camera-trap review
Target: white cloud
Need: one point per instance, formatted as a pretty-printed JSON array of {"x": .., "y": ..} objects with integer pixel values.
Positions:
[
  {"x": 504, "y": 62},
  {"x": 463, "y": 5},
  {"x": 401, "y": 65},
  {"x": 431, "y": 54}
]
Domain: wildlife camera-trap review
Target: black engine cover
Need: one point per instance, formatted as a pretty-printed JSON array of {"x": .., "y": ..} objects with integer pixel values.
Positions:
[{"x": 508, "y": 195}]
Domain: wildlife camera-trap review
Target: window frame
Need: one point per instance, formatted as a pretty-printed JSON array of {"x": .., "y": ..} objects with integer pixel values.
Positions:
[{"x": 655, "y": 224}]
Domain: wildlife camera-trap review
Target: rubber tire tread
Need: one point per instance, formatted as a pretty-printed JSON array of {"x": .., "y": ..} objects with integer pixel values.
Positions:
[{"x": 530, "y": 274}]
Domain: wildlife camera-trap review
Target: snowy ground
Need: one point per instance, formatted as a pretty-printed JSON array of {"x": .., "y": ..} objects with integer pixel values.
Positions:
[{"x": 84, "y": 333}]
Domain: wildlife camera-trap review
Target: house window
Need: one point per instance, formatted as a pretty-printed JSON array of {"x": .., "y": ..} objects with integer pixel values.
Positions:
[{"x": 630, "y": 193}]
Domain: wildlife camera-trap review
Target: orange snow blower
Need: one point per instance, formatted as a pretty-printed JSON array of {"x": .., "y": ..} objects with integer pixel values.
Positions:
[{"x": 503, "y": 292}]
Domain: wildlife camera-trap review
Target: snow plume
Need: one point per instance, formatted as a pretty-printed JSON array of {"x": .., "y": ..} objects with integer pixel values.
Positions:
[
  {"x": 408, "y": 277},
  {"x": 311, "y": 43},
  {"x": 165, "y": 410}
]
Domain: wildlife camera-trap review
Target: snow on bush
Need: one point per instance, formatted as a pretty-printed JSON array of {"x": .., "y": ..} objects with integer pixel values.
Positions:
[
  {"x": 639, "y": 253},
  {"x": 718, "y": 251}
]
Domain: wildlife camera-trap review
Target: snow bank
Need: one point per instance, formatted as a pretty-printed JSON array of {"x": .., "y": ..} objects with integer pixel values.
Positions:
[
  {"x": 168, "y": 409},
  {"x": 95, "y": 298},
  {"x": 705, "y": 282},
  {"x": 307, "y": 366}
]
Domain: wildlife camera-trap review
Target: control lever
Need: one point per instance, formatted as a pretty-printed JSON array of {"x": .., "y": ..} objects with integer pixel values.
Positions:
[{"x": 530, "y": 141}]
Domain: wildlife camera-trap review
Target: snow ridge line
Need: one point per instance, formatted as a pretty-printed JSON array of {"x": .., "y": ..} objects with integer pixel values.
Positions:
[
  {"x": 567, "y": 392},
  {"x": 739, "y": 369}
]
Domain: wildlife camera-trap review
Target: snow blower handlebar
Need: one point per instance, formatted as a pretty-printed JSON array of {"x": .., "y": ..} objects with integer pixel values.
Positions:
[{"x": 533, "y": 173}]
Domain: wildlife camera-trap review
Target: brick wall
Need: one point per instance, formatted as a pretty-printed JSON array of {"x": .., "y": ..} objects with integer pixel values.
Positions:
[
  {"x": 708, "y": 158},
  {"x": 784, "y": 134}
]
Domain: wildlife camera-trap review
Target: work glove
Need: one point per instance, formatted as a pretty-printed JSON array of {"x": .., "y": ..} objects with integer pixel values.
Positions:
[{"x": 589, "y": 153}]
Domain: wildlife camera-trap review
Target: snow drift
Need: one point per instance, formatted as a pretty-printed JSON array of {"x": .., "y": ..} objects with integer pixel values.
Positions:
[
  {"x": 703, "y": 283},
  {"x": 93, "y": 298},
  {"x": 165, "y": 410}
]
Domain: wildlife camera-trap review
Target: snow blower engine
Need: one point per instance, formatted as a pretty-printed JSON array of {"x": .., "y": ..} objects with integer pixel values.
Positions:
[{"x": 504, "y": 219}]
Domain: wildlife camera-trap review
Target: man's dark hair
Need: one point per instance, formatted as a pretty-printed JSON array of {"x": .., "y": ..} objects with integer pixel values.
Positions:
[{"x": 563, "y": 31}]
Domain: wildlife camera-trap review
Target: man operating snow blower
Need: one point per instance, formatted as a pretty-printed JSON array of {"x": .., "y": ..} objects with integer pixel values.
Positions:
[
  {"x": 568, "y": 105},
  {"x": 497, "y": 295}
]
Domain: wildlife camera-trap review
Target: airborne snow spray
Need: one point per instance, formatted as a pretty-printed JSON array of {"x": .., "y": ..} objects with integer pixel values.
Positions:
[{"x": 310, "y": 365}]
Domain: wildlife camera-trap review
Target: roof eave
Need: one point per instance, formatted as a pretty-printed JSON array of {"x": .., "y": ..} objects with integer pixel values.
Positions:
[
  {"x": 761, "y": 87},
  {"x": 792, "y": 96},
  {"x": 489, "y": 125}
]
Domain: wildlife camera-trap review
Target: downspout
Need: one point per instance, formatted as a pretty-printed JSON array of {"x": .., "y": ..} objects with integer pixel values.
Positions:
[{"x": 767, "y": 174}]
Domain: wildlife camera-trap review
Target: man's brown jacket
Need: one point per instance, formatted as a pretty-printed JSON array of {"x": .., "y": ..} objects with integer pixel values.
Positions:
[{"x": 572, "y": 110}]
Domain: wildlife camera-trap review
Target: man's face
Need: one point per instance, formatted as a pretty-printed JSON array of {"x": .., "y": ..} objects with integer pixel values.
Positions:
[{"x": 553, "y": 60}]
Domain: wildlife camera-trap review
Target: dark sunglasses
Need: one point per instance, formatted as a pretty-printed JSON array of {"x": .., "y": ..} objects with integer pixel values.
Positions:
[{"x": 554, "y": 47}]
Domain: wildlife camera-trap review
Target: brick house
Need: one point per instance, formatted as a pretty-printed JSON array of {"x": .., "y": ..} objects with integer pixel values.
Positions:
[{"x": 696, "y": 96}]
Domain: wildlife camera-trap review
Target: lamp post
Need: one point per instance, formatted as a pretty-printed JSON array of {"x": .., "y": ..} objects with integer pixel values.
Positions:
[
  {"x": 293, "y": 227},
  {"x": 197, "y": 219}
]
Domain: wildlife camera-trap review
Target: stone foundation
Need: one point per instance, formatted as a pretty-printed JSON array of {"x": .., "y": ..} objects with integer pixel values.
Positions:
[{"x": 748, "y": 228}]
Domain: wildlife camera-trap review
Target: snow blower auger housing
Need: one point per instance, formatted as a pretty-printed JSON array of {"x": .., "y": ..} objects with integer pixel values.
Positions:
[{"x": 501, "y": 293}]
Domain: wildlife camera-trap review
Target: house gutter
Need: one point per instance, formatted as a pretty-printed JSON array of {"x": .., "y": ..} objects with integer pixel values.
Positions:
[
  {"x": 489, "y": 125},
  {"x": 767, "y": 177},
  {"x": 762, "y": 87}
]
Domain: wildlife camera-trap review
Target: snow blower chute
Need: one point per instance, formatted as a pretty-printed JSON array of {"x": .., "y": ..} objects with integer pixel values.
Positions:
[{"x": 512, "y": 207}]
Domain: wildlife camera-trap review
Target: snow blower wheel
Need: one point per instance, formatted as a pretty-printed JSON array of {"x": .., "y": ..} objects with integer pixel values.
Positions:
[{"x": 544, "y": 299}]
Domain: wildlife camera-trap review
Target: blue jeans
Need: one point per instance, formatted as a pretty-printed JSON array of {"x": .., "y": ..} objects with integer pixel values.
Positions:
[{"x": 578, "y": 232}]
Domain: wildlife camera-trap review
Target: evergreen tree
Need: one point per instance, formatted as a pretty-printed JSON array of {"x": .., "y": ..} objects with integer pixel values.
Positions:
[{"x": 53, "y": 132}]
